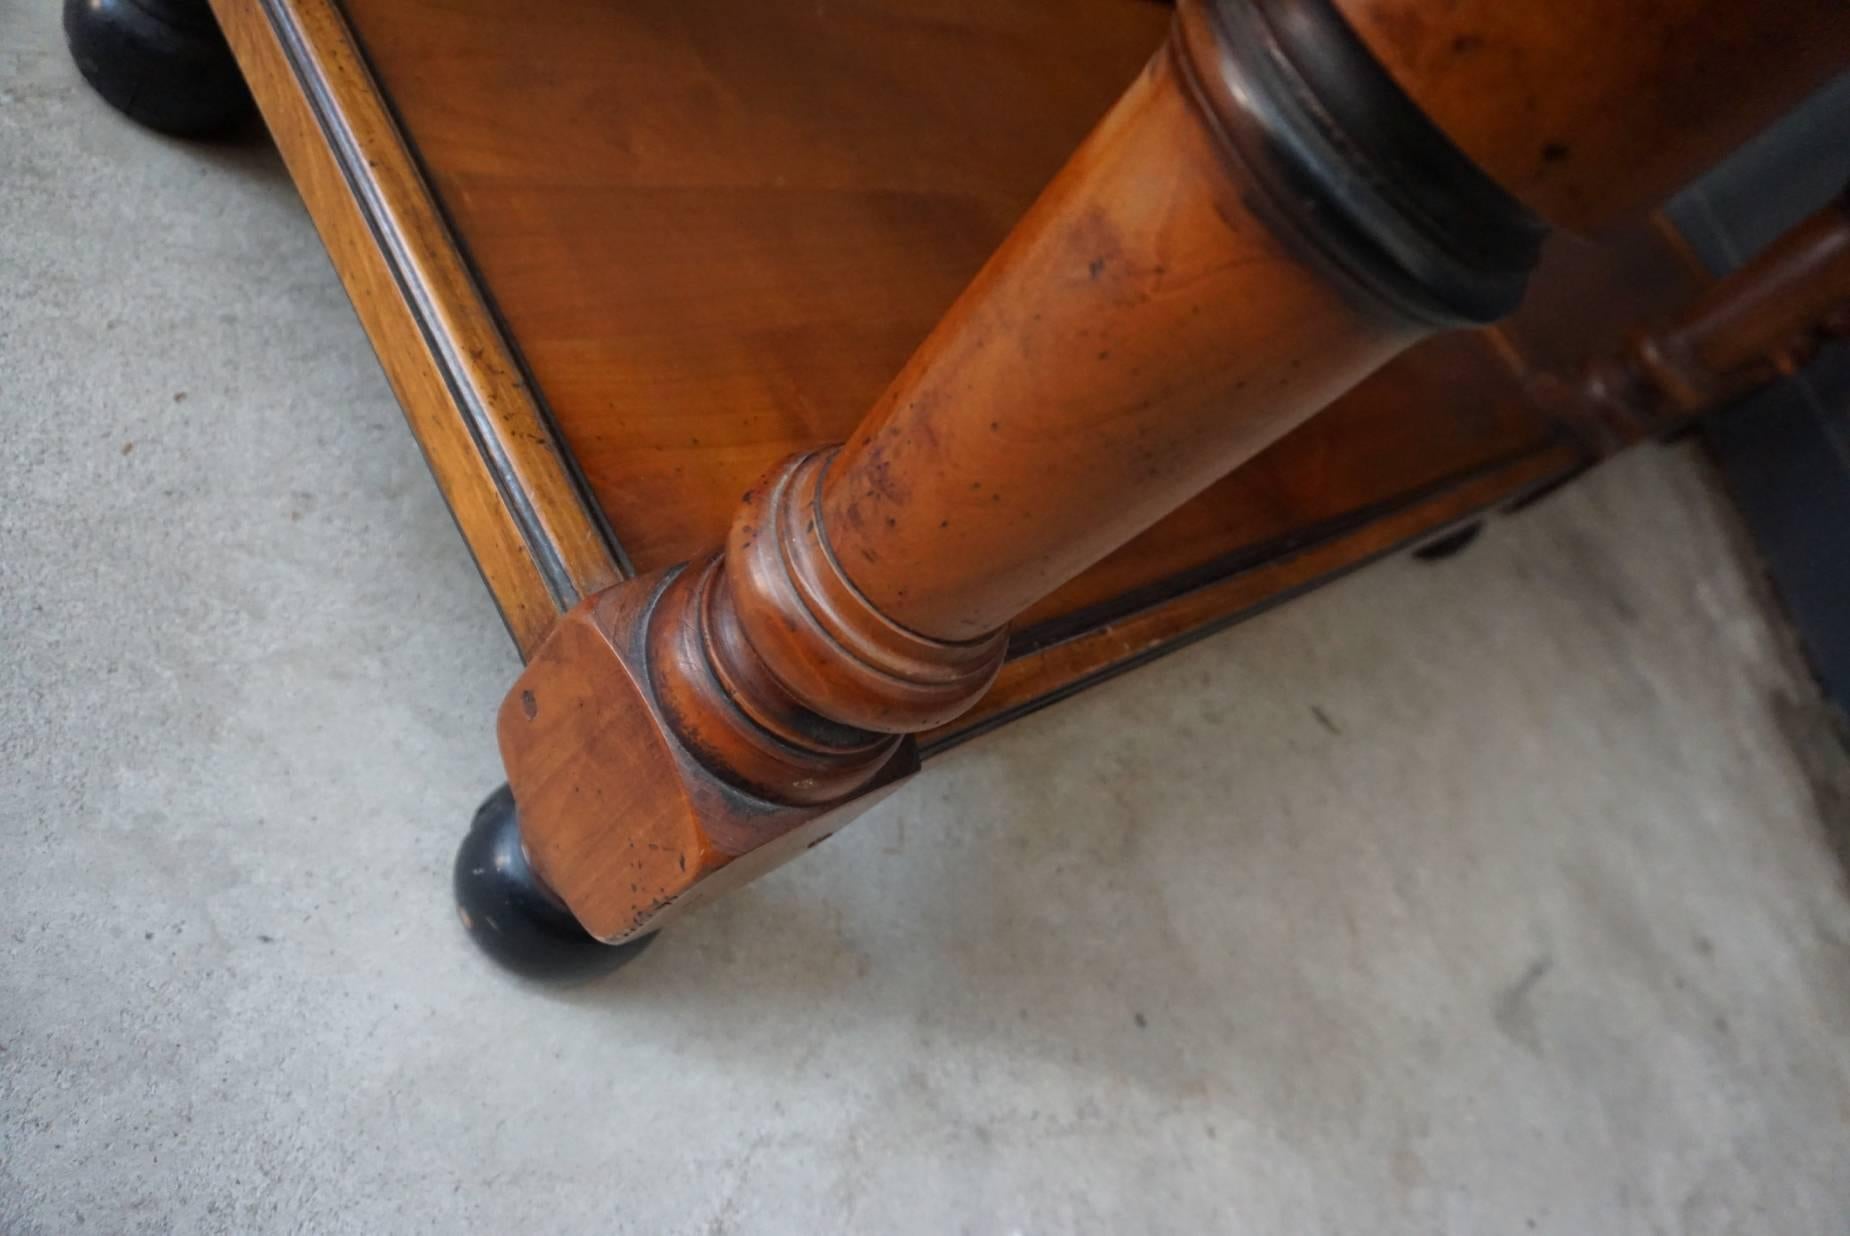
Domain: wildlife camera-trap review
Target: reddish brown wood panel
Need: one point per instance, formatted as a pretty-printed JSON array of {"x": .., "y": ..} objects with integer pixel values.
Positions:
[{"x": 716, "y": 232}]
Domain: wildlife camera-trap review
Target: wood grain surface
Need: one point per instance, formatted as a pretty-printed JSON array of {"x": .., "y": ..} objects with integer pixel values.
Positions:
[
  {"x": 712, "y": 235},
  {"x": 715, "y": 236},
  {"x": 1188, "y": 287}
]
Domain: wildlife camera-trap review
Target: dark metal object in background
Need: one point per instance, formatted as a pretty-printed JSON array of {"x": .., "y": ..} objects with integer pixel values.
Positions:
[{"x": 1785, "y": 452}]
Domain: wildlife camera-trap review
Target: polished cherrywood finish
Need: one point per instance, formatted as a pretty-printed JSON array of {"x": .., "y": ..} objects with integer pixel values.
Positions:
[
  {"x": 716, "y": 229},
  {"x": 1156, "y": 317},
  {"x": 1141, "y": 332},
  {"x": 862, "y": 594},
  {"x": 619, "y": 814},
  {"x": 1431, "y": 424},
  {"x": 627, "y": 263},
  {"x": 715, "y": 236}
]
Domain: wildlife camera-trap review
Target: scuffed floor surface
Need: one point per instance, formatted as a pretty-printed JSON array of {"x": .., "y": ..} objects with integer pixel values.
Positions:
[{"x": 1487, "y": 896}]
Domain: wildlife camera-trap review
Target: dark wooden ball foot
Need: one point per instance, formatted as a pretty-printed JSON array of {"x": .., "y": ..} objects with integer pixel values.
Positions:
[
  {"x": 162, "y": 63},
  {"x": 515, "y": 919},
  {"x": 1452, "y": 543}
]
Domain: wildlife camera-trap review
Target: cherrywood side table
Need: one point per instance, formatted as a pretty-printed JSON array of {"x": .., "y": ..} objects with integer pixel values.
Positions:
[{"x": 818, "y": 386}]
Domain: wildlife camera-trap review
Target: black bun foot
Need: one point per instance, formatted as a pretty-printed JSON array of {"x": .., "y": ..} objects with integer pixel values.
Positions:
[
  {"x": 513, "y": 917},
  {"x": 162, "y": 63},
  {"x": 1451, "y": 543}
]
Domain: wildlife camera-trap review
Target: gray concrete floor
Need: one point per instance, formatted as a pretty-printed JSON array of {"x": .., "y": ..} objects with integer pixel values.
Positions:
[{"x": 1540, "y": 931}]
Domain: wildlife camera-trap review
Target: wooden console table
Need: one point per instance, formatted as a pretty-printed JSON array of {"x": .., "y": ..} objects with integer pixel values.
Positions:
[{"x": 819, "y": 385}]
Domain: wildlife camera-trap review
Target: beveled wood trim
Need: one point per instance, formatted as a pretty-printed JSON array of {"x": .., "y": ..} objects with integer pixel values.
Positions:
[
  {"x": 1049, "y": 663},
  {"x": 536, "y": 537}
]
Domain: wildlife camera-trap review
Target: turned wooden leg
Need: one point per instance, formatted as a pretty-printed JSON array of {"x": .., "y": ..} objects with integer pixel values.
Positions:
[
  {"x": 1263, "y": 219},
  {"x": 162, "y": 63}
]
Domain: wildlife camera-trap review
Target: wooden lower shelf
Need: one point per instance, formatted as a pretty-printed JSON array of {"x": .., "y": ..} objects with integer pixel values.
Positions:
[{"x": 619, "y": 259}]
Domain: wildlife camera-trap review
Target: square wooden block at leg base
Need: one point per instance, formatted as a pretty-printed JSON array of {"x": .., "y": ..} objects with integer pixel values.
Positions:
[{"x": 615, "y": 815}]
